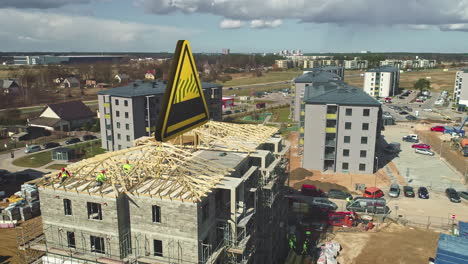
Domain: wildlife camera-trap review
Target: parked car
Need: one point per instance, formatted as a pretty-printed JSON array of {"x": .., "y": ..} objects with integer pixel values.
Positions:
[
  {"x": 311, "y": 190},
  {"x": 403, "y": 113},
  {"x": 420, "y": 145},
  {"x": 394, "y": 190},
  {"x": 338, "y": 194},
  {"x": 419, "y": 100},
  {"x": 72, "y": 141},
  {"x": 408, "y": 191},
  {"x": 427, "y": 109},
  {"x": 228, "y": 112},
  {"x": 411, "y": 117},
  {"x": 463, "y": 195},
  {"x": 438, "y": 128},
  {"x": 409, "y": 109},
  {"x": 411, "y": 139},
  {"x": 237, "y": 111},
  {"x": 452, "y": 195},
  {"x": 401, "y": 97},
  {"x": 50, "y": 145},
  {"x": 424, "y": 151},
  {"x": 89, "y": 137},
  {"x": 368, "y": 205},
  {"x": 423, "y": 193},
  {"x": 373, "y": 192},
  {"x": 32, "y": 148}
]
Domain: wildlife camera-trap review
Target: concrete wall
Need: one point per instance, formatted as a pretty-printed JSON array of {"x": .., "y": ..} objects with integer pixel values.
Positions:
[
  {"x": 314, "y": 137},
  {"x": 388, "y": 83},
  {"x": 177, "y": 230},
  {"x": 357, "y": 119},
  {"x": 298, "y": 96},
  {"x": 56, "y": 223}
]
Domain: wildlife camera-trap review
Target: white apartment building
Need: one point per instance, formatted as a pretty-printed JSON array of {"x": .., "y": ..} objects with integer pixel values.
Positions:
[
  {"x": 413, "y": 64},
  {"x": 284, "y": 64},
  {"x": 460, "y": 93},
  {"x": 356, "y": 64},
  {"x": 382, "y": 82}
]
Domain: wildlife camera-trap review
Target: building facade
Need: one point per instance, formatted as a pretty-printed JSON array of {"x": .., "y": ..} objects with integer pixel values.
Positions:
[
  {"x": 341, "y": 130},
  {"x": 132, "y": 111},
  {"x": 382, "y": 82},
  {"x": 410, "y": 64},
  {"x": 460, "y": 91},
  {"x": 356, "y": 64}
]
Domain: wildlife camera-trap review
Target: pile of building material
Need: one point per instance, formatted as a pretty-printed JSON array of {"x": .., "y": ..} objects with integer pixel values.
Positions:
[
  {"x": 23, "y": 205},
  {"x": 328, "y": 253}
]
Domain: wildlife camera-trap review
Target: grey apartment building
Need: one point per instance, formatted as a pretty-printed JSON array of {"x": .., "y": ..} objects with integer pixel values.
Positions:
[
  {"x": 342, "y": 124},
  {"x": 302, "y": 83},
  {"x": 132, "y": 111}
]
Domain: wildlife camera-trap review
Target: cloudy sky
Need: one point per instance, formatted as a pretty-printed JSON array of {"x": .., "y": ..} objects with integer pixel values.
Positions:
[{"x": 241, "y": 25}]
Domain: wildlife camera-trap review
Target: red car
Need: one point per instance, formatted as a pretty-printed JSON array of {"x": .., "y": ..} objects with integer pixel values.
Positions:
[
  {"x": 421, "y": 146},
  {"x": 419, "y": 101},
  {"x": 373, "y": 192},
  {"x": 438, "y": 128}
]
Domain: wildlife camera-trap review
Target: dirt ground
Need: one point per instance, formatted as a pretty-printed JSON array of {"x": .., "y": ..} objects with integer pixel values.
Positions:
[
  {"x": 8, "y": 240},
  {"x": 299, "y": 176},
  {"x": 394, "y": 244}
]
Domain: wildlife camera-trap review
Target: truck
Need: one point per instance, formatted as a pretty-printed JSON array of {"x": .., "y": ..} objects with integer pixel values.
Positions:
[{"x": 461, "y": 144}]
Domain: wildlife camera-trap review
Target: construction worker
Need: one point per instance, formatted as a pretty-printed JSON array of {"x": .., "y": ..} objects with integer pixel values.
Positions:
[
  {"x": 63, "y": 175},
  {"x": 292, "y": 242},
  {"x": 348, "y": 200},
  {"x": 305, "y": 247},
  {"x": 127, "y": 167},
  {"x": 101, "y": 178}
]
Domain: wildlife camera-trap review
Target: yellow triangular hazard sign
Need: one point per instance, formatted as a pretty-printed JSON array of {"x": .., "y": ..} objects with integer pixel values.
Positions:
[{"x": 184, "y": 105}]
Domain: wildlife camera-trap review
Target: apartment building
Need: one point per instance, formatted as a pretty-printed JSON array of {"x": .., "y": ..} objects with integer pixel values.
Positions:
[
  {"x": 356, "y": 64},
  {"x": 342, "y": 124},
  {"x": 410, "y": 64},
  {"x": 460, "y": 92},
  {"x": 309, "y": 79},
  {"x": 209, "y": 205},
  {"x": 284, "y": 64},
  {"x": 338, "y": 70},
  {"x": 132, "y": 111},
  {"x": 382, "y": 82}
]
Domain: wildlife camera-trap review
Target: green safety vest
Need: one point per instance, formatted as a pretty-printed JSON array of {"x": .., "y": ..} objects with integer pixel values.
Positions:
[
  {"x": 101, "y": 177},
  {"x": 127, "y": 167},
  {"x": 64, "y": 174}
]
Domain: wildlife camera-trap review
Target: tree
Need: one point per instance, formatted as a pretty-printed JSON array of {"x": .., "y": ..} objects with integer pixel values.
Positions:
[{"x": 422, "y": 84}]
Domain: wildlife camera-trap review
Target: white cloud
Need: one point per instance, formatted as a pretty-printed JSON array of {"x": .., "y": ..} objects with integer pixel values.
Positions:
[
  {"x": 370, "y": 12},
  {"x": 455, "y": 27},
  {"x": 38, "y": 31},
  {"x": 230, "y": 24},
  {"x": 42, "y": 4},
  {"x": 258, "y": 23}
]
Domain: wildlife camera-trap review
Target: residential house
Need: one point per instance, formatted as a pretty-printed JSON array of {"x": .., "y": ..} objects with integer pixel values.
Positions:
[
  {"x": 70, "y": 82},
  {"x": 64, "y": 116},
  {"x": 10, "y": 86},
  {"x": 121, "y": 78}
]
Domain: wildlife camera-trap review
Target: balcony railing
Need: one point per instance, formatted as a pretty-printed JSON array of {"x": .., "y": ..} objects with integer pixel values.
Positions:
[
  {"x": 330, "y": 142},
  {"x": 331, "y": 116},
  {"x": 330, "y": 129},
  {"x": 330, "y": 156}
]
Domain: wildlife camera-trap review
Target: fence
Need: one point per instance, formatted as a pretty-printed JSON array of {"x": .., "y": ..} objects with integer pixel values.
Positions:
[{"x": 427, "y": 222}]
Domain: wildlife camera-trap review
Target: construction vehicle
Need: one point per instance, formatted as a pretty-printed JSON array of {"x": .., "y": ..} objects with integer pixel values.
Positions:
[
  {"x": 456, "y": 131},
  {"x": 461, "y": 144}
]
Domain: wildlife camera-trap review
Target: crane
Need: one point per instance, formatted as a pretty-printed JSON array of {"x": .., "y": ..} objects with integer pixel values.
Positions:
[{"x": 459, "y": 130}]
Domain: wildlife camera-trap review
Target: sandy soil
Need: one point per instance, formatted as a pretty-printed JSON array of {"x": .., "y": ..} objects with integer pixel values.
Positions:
[{"x": 394, "y": 244}]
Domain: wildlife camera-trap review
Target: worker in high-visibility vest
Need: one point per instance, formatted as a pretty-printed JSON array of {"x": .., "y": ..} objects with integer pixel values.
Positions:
[
  {"x": 292, "y": 242},
  {"x": 127, "y": 167},
  {"x": 63, "y": 175},
  {"x": 305, "y": 247},
  {"x": 101, "y": 178},
  {"x": 348, "y": 200}
]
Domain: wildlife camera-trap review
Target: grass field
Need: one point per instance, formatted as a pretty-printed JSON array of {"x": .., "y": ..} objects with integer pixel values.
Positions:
[
  {"x": 440, "y": 80},
  {"x": 248, "y": 92},
  {"x": 246, "y": 79},
  {"x": 280, "y": 115},
  {"x": 34, "y": 160},
  {"x": 56, "y": 166}
]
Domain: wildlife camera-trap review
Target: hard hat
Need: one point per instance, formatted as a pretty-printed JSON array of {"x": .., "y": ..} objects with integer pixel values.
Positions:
[
  {"x": 63, "y": 169},
  {"x": 127, "y": 161},
  {"x": 103, "y": 171}
]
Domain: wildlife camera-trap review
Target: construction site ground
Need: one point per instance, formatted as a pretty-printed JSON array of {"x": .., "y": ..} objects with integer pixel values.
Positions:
[
  {"x": 390, "y": 245},
  {"x": 9, "y": 240}
]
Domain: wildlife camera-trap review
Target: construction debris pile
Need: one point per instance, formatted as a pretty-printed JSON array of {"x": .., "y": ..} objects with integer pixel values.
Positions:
[
  {"x": 328, "y": 253},
  {"x": 23, "y": 205}
]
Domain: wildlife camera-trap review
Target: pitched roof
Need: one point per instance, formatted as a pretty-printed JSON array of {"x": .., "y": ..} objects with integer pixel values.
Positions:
[
  {"x": 140, "y": 88},
  {"x": 72, "y": 80},
  {"x": 7, "y": 83},
  {"x": 343, "y": 94},
  {"x": 71, "y": 110},
  {"x": 44, "y": 121}
]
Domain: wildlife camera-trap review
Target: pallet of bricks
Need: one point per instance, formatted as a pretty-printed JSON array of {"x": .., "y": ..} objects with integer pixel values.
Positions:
[
  {"x": 24, "y": 204},
  {"x": 328, "y": 253}
]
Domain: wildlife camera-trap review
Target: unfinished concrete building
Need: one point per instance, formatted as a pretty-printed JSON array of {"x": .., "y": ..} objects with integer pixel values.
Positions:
[{"x": 212, "y": 195}]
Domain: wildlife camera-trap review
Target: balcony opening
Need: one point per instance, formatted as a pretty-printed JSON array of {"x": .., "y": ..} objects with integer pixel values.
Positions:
[{"x": 330, "y": 140}]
